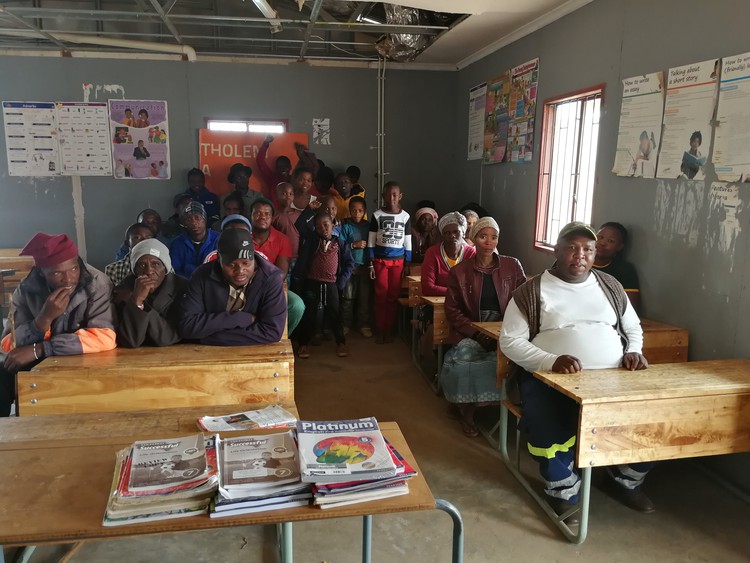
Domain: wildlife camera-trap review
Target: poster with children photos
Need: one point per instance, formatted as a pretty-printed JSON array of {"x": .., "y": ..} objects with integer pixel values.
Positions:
[
  {"x": 524, "y": 81},
  {"x": 140, "y": 139}
]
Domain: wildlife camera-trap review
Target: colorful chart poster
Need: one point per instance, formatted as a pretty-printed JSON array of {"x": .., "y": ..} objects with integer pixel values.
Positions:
[
  {"x": 640, "y": 125},
  {"x": 691, "y": 99},
  {"x": 732, "y": 141},
  {"x": 477, "y": 104},
  {"x": 31, "y": 138},
  {"x": 524, "y": 80},
  {"x": 496, "y": 119},
  {"x": 83, "y": 133},
  {"x": 219, "y": 150},
  {"x": 140, "y": 139}
]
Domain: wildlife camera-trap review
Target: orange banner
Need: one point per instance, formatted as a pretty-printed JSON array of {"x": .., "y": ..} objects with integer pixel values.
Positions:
[{"x": 219, "y": 150}]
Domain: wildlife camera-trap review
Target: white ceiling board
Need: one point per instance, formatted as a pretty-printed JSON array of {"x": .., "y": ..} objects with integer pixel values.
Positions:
[{"x": 479, "y": 35}]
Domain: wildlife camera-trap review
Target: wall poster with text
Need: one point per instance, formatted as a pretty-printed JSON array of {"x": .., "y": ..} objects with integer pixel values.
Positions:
[
  {"x": 524, "y": 81},
  {"x": 731, "y": 156},
  {"x": 140, "y": 139},
  {"x": 496, "y": 119}
]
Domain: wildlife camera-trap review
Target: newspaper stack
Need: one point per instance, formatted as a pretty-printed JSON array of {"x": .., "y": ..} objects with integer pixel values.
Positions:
[
  {"x": 163, "y": 479},
  {"x": 259, "y": 473},
  {"x": 349, "y": 462}
]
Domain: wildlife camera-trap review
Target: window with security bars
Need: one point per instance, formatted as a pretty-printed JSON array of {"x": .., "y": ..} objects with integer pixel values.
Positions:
[
  {"x": 570, "y": 132},
  {"x": 247, "y": 126}
]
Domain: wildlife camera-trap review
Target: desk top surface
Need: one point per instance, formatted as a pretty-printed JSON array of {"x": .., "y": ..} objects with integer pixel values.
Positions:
[
  {"x": 414, "y": 279},
  {"x": 178, "y": 354},
  {"x": 493, "y": 329},
  {"x": 56, "y": 491},
  {"x": 661, "y": 381},
  {"x": 433, "y": 300}
]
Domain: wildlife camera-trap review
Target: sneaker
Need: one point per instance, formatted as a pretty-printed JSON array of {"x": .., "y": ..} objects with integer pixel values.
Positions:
[
  {"x": 341, "y": 350},
  {"x": 366, "y": 332},
  {"x": 303, "y": 352},
  {"x": 561, "y": 507}
]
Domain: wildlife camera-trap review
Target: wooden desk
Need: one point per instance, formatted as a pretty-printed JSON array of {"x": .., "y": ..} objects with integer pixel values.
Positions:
[
  {"x": 182, "y": 375},
  {"x": 440, "y": 323},
  {"x": 414, "y": 284},
  {"x": 21, "y": 266},
  {"x": 668, "y": 411},
  {"x": 56, "y": 472}
]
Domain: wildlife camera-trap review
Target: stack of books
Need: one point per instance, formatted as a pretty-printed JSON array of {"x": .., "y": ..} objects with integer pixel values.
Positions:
[
  {"x": 162, "y": 479},
  {"x": 259, "y": 473},
  {"x": 349, "y": 462}
]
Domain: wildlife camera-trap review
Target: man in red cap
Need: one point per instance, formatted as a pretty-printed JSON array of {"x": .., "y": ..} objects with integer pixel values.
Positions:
[{"x": 62, "y": 308}]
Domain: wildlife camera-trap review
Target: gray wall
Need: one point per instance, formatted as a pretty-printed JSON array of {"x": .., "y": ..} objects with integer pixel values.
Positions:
[
  {"x": 195, "y": 91},
  {"x": 686, "y": 280}
]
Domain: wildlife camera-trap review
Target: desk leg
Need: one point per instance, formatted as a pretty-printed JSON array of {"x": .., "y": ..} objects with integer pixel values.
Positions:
[
  {"x": 559, "y": 520},
  {"x": 458, "y": 528},
  {"x": 286, "y": 542},
  {"x": 439, "y": 367},
  {"x": 367, "y": 538}
]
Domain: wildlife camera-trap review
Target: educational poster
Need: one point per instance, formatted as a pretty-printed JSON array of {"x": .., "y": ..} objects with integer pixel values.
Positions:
[
  {"x": 496, "y": 119},
  {"x": 31, "y": 138},
  {"x": 640, "y": 125},
  {"x": 723, "y": 225},
  {"x": 524, "y": 80},
  {"x": 83, "y": 134},
  {"x": 140, "y": 139},
  {"x": 691, "y": 99},
  {"x": 219, "y": 150},
  {"x": 731, "y": 157},
  {"x": 477, "y": 102},
  {"x": 321, "y": 131}
]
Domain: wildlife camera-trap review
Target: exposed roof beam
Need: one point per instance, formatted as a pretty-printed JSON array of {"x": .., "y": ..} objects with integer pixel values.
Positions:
[
  {"x": 308, "y": 32},
  {"x": 33, "y": 28},
  {"x": 170, "y": 26}
]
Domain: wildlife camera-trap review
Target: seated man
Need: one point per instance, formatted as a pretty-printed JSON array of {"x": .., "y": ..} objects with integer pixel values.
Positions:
[
  {"x": 189, "y": 250},
  {"x": 568, "y": 319},
  {"x": 62, "y": 308},
  {"x": 119, "y": 270},
  {"x": 237, "y": 300},
  {"x": 148, "y": 300},
  {"x": 172, "y": 227}
]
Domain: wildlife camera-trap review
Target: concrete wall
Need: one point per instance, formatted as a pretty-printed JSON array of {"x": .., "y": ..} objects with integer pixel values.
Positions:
[
  {"x": 686, "y": 280},
  {"x": 196, "y": 91}
]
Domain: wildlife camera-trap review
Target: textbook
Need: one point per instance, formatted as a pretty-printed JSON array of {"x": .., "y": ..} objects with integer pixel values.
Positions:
[
  {"x": 394, "y": 490},
  {"x": 163, "y": 465},
  {"x": 334, "y": 451},
  {"x": 274, "y": 416},
  {"x": 251, "y": 510},
  {"x": 258, "y": 461}
]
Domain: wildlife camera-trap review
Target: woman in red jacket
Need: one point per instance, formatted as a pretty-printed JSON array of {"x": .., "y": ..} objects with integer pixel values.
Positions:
[
  {"x": 441, "y": 257},
  {"x": 479, "y": 290}
]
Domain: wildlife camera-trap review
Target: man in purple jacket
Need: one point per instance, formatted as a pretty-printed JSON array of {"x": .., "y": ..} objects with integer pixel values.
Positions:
[{"x": 237, "y": 300}]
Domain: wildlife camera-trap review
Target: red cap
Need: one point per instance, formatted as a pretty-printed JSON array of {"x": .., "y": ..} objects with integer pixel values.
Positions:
[{"x": 50, "y": 250}]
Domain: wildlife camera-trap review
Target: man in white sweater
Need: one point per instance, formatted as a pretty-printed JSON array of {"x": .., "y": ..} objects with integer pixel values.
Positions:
[{"x": 568, "y": 319}]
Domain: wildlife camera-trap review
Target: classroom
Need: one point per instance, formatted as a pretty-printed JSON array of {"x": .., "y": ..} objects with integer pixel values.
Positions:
[{"x": 408, "y": 122}]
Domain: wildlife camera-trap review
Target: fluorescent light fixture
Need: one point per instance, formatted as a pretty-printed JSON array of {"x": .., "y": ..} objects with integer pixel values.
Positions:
[{"x": 369, "y": 20}]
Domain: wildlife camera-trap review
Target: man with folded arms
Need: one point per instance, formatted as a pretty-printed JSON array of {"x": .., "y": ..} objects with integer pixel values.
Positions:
[
  {"x": 62, "y": 308},
  {"x": 237, "y": 300},
  {"x": 568, "y": 319}
]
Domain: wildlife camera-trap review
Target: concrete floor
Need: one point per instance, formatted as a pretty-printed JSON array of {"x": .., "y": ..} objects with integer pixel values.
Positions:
[{"x": 696, "y": 520}]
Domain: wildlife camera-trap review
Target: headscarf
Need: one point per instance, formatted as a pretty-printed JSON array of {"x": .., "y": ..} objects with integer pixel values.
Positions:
[
  {"x": 453, "y": 218},
  {"x": 483, "y": 223},
  {"x": 422, "y": 210},
  {"x": 151, "y": 247}
]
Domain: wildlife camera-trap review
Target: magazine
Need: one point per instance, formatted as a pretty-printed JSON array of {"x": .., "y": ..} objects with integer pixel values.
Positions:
[
  {"x": 163, "y": 464},
  {"x": 274, "y": 416},
  {"x": 343, "y": 450},
  {"x": 259, "y": 461}
]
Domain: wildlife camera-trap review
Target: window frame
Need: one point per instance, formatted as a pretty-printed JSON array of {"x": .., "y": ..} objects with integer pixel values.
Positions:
[
  {"x": 545, "y": 160},
  {"x": 247, "y": 120}
]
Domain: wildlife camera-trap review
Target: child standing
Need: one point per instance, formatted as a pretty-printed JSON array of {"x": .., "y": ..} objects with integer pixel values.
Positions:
[
  {"x": 355, "y": 232},
  {"x": 323, "y": 267},
  {"x": 389, "y": 245},
  {"x": 287, "y": 216}
]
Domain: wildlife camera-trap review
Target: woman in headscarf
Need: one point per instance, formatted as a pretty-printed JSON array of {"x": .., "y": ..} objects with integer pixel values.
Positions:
[
  {"x": 441, "y": 257},
  {"x": 424, "y": 233},
  {"x": 148, "y": 299},
  {"x": 479, "y": 289}
]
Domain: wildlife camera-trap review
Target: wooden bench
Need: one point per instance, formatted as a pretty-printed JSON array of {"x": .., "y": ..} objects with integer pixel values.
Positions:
[{"x": 183, "y": 375}]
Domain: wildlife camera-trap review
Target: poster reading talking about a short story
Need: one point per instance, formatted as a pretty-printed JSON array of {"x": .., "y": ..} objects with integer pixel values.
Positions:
[
  {"x": 31, "y": 138},
  {"x": 524, "y": 80},
  {"x": 691, "y": 99},
  {"x": 140, "y": 139},
  {"x": 640, "y": 125},
  {"x": 732, "y": 141}
]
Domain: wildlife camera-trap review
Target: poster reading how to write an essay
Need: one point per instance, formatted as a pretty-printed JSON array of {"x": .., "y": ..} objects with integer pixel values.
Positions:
[
  {"x": 140, "y": 139},
  {"x": 691, "y": 98},
  {"x": 640, "y": 125},
  {"x": 732, "y": 141},
  {"x": 31, "y": 138}
]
